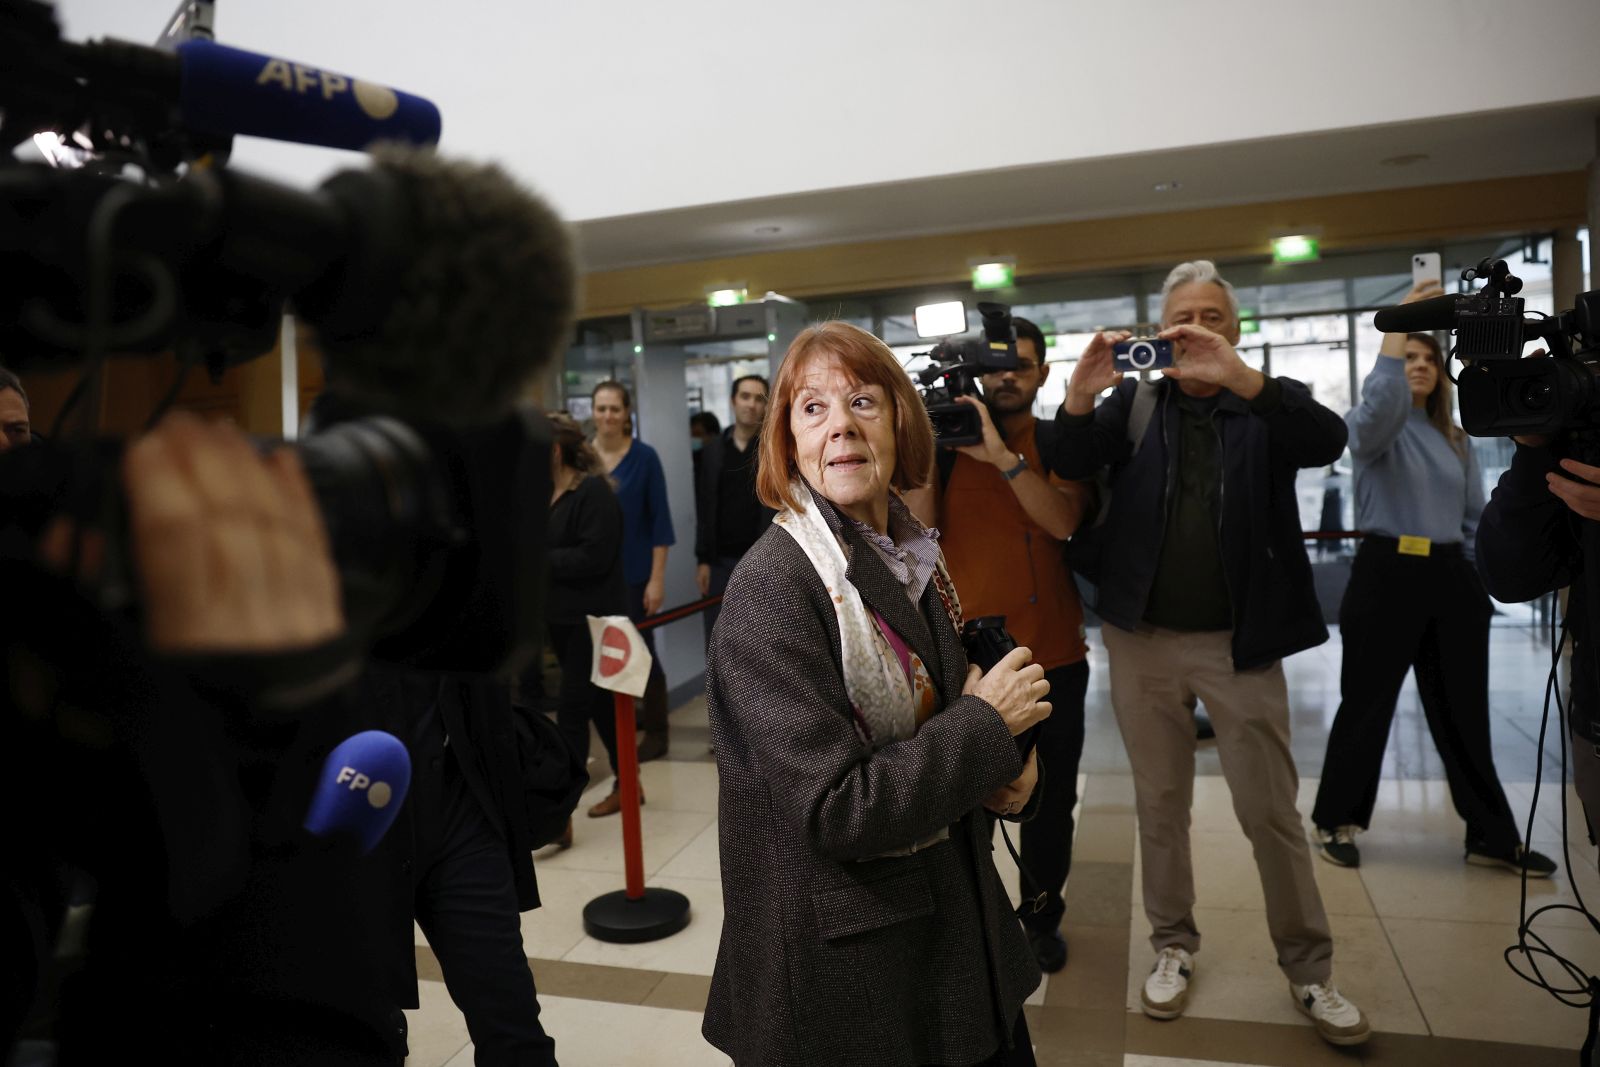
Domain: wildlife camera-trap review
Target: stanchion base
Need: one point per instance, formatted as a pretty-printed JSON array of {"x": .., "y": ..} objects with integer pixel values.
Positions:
[{"x": 613, "y": 917}]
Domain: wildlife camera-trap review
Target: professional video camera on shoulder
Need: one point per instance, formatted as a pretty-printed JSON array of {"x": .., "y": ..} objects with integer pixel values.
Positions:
[
  {"x": 1502, "y": 394},
  {"x": 958, "y": 363}
]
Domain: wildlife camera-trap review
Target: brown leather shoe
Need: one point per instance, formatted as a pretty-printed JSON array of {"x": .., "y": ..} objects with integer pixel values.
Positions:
[
  {"x": 611, "y": 805},
  {"x": 654, "y": 746}
]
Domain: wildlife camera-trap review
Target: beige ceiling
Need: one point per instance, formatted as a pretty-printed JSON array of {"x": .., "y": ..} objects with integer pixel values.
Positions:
[{"x": 1540, "y": 140}]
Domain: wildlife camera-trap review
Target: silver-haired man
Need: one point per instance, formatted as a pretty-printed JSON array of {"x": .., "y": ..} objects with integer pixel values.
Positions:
[{"x": 1204, "y": 587}]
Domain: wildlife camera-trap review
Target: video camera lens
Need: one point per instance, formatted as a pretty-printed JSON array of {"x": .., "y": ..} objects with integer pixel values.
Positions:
[{"x": 1534, "y": 396}]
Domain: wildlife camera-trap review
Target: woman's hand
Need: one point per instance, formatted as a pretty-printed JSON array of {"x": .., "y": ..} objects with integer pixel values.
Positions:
[
  {"x": 655, "y": 594},
  {"x": 1015, "y": 687},
  {"x": 702, "y": 578},
  {"x": 1010, "y": 799}
]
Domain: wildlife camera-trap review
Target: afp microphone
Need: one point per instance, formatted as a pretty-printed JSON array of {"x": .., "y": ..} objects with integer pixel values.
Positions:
[
  {"x": 210, "y": 90},
  {"x": 226, "y": 91},
  {"x": 361, "y": 787}
]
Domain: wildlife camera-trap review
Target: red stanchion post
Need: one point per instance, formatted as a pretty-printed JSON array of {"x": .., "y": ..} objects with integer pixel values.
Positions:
[
  {"x": 628, "y": 789},
  {"x": 633, "y": 914}
]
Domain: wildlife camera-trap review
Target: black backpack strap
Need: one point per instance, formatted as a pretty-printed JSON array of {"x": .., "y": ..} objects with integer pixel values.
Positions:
[
  {"x": 945, "y": 458},
  {"x": 1044, "y": 439}
]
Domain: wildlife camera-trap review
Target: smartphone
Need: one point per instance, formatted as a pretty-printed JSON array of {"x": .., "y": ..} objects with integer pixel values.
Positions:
[{"x": 1426, "y": 267}]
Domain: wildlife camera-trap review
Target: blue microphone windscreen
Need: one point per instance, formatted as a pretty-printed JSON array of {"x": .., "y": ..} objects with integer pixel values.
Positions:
[
  {"x": 362, "y": 785},
  {"x": 230, "y": 91}
]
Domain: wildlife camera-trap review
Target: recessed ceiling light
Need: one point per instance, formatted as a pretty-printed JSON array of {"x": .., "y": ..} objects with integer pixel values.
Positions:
[
  {"x": 1405, "y": 159},
  {"x": 768, "y": 231},
  {"x": 1167, "y": 187}
]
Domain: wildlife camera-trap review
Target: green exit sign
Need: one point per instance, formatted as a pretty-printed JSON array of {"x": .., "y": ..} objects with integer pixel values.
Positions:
[
  {"x": 1248, "y": 322},
  {"x": 994, "y": 275},
  {"x": 724, "y": 298},
  {"x": 1299, "y": 248}
]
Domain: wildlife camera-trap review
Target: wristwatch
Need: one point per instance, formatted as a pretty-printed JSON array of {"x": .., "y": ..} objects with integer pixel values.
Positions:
[{"x": 1022, "y": 465}]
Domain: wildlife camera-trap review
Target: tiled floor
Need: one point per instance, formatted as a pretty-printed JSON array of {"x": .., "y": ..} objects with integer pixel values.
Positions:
[{"x": 1419, "y": 936}]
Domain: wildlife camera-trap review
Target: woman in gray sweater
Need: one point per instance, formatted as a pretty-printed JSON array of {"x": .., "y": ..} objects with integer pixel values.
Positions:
[{"x": 1415, "y": 602}]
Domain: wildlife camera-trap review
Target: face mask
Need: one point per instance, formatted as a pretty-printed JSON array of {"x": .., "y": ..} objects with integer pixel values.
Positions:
[{"x": 695, "y": 443}]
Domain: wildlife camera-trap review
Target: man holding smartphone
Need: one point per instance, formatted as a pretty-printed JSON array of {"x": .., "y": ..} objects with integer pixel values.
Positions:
[{"x": 1204, "y": 587}]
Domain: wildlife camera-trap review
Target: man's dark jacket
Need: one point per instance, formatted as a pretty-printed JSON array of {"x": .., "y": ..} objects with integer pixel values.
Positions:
[
  {"x": 708, "y": 476},
  {"x": 1262, "y": 443},
  {"x": 1530, "y": 543}
]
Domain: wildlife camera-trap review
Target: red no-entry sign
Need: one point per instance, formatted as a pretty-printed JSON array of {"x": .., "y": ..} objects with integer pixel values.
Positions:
[{"x": 614, "y": 651}]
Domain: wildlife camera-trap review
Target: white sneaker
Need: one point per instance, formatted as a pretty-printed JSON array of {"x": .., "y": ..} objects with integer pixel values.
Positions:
[
  {"x": 1166, "y": 991},
  {"x": 1339, "y": 1022}
]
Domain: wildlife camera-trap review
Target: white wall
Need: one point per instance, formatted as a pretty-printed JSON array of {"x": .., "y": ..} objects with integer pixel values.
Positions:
[{"x": 617, "y": 108}]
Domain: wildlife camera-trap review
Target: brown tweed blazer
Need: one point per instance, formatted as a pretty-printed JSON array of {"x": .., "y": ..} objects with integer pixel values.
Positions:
[{"x": 827, "y": 957}]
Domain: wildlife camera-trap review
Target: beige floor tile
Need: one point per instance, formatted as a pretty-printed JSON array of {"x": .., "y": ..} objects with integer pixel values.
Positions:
[
  {"x": 554, "y": 928},
  {"x": 692, "y": 950},
  {"x": 675, "y": 786},
  {"x": 1163, "y": 1061},
  {"x": 700, "y": 858},
  {"x": 1105, "y": 837},
  {"x": 593, "y": 1034},
  {"x": 598, "y": 842},
  {"x": 436, "y": 1030},
  {"x": 1547, "y": 831},
  {"x": 1467, "y": 991},
  {"x": 1425, "y": 878},
  {"x": 1225, "y": 876},
  {"x": 1237, "y": 975}
]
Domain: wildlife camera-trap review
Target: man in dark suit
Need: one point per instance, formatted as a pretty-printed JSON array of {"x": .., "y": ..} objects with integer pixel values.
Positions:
[{"x": 728, "y": 517}]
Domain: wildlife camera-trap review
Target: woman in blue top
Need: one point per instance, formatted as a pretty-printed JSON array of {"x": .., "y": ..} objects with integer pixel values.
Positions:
[
  {"x": 641, "y": 486},
  {"x": 1415, "y": 602}
]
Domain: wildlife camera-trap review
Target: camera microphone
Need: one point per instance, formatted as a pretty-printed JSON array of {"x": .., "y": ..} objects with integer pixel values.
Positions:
[
  {"x": 224, "y": 91},
  {"x": 185, "y": 103},
  {"x": 218, "y": 91},
  {"x": 362, "y": 785},
  {"x": 1423, "y": 316}
]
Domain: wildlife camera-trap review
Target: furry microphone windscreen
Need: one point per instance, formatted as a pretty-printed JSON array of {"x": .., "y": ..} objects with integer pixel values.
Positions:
[{"x": 484, "y": 296}]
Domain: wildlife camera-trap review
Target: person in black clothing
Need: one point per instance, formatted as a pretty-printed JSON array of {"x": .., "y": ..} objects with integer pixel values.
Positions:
[
  {"x": 728, "y": 516},
  {"x": 1541, "y": 532},
  {"x": 584, "y": 541}
]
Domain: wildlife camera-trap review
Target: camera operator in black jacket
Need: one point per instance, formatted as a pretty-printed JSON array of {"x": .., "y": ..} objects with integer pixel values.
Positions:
[{"x": 1540, "y": 532}]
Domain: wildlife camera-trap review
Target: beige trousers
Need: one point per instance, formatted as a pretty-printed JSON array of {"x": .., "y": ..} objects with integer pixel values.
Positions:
[{"x": 1155, "y": 676}]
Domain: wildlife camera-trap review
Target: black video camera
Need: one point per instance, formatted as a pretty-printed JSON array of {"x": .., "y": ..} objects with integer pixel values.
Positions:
[
  {"x": 1502, "y": 394},
  {"x": 958, "y": 363}
]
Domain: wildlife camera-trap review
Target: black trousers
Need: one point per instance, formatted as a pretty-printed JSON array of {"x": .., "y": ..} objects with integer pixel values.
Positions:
[
  {"x": 1428, "y": 614},
  {"x": 1047, "y": 837},
  {"x": 721, "y": 571},
  {"x": 581, "y": 702},
  {"x": 466, "y": 904},
  {"x": 653, "y": 708}
]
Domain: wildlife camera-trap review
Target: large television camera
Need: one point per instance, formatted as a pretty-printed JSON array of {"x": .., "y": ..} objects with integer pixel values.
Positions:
[
  {"x": 1501, "y": 393},
  {"x": 958, "y": 363},
  {"x": 430, "y": 477}
]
